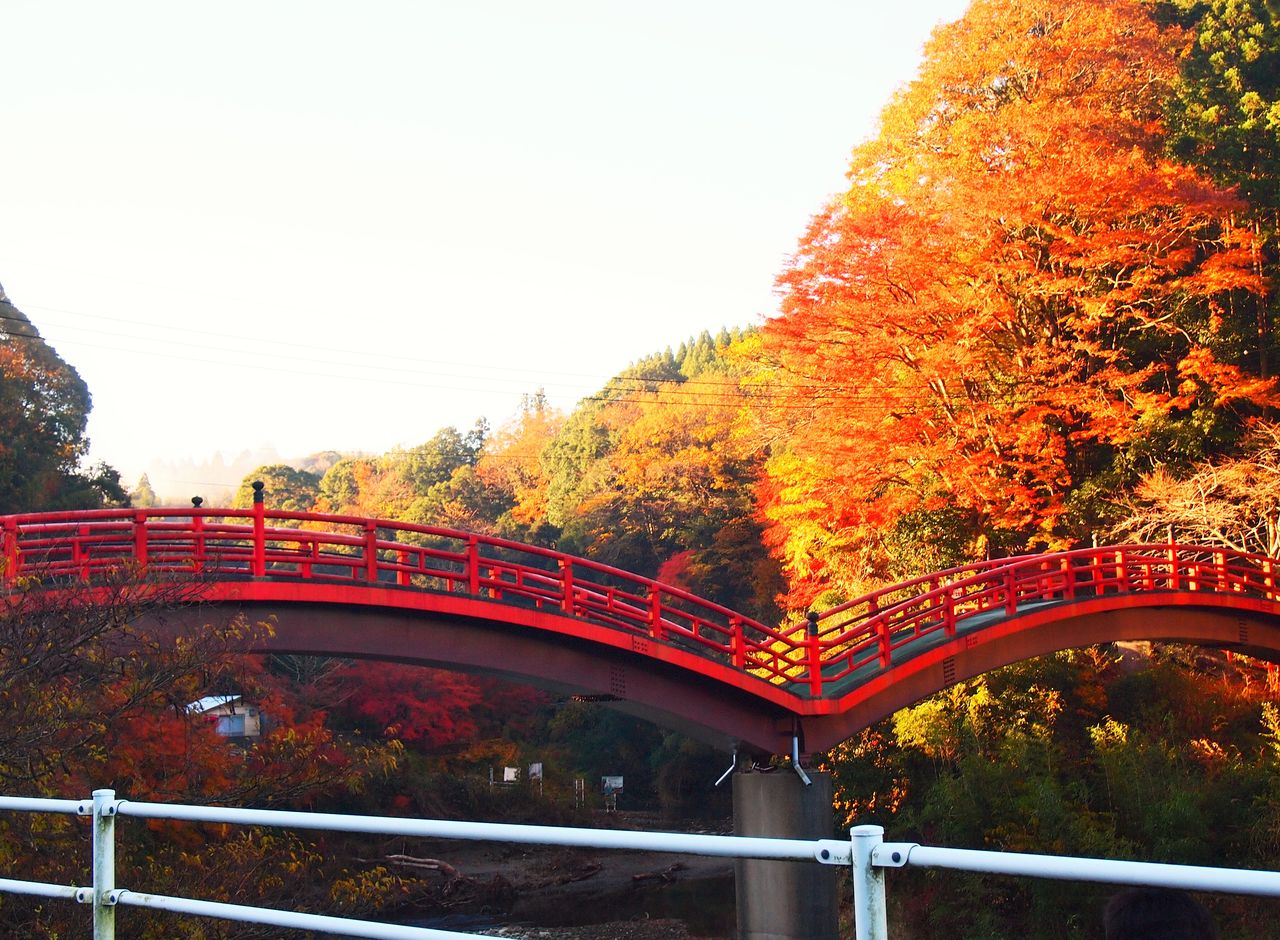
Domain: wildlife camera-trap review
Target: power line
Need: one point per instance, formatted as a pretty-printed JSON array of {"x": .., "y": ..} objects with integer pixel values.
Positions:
[
  {"x": 688, "y": 392},
  {"x": 622, "y": 389},
  {"x": 382, "y": 357}
]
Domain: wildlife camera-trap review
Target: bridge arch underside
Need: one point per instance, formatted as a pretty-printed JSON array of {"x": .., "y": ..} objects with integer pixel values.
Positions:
[
  {"x": 1243, "y": 625},
  {"x": 730, "y": 711},
  {"x": 702, "y": 707}
]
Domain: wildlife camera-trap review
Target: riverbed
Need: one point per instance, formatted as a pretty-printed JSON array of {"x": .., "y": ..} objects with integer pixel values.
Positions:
[{"x": 586, "y": 894}]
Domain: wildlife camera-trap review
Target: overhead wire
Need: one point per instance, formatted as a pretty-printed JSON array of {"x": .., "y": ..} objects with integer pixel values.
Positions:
[
  {"x": 698, "y": 391},
  {"x": 694, "y": 391},
  {"x": 289, "y": 344}
]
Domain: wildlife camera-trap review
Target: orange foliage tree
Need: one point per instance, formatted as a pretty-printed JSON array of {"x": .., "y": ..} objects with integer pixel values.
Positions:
[
  {"x": 1016, "y": 303},
  {"x": 93, "y": 693},
  {"x": 512, "y": 459},
  {"x": 652, "y": 476}
]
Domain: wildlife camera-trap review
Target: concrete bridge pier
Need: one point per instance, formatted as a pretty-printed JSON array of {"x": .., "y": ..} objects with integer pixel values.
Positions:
[{"x": 784, "y": 900}]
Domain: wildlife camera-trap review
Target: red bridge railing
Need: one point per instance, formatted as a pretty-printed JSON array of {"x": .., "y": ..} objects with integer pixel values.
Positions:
[
  {"x": 815, "y": 658},
  {"x": 324, "y": 548},
  {"x": 871, "y": 630}
]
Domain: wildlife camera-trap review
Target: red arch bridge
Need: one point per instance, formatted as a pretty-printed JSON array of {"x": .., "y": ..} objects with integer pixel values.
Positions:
[{"x": 345, "y": 586}]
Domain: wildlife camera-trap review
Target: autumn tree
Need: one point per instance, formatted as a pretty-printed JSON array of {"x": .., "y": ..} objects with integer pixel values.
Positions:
[
  {"x": 513, "y": 463},
  {"x": 1019, "y": 302},
  {"x": 44, "y": 408},
  {"x": 364, "y": 486},
  {"x": 1224, "y": 116},
  {"x": 95, "y": 683},
  {"x": 450, "y": 484},
  {"x": 652, "y": 476},
  {"x": 407, "y": 485},
  {"x": 574, "y": 460},
  {"x": 143, "y": 496},
  {"x": 435, "y": 461},
  {"x": 1072, "y": 754},
  {"x": 337, "y": 485},
  {"x": 1233, "y": 502},
  {"x": 284, "y": 488}
]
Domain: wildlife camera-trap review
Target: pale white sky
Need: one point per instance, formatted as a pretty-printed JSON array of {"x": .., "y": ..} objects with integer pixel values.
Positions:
[{"x": 315, "y": 225}]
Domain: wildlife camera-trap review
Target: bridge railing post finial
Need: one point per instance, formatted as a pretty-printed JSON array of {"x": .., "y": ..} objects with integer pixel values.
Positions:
[
  {"x": 259, "y": 530},
  {"x": 813, "y": 653},
  {"x": 371, "y": 552},
  {"x": 197, "y": 534}
]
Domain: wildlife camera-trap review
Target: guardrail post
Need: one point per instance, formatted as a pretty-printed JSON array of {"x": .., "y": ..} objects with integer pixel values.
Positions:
[
  {"x": 104, "y": 864},
  {"x": 870, "y": 920},
  {"x": 259, "y": 563}
]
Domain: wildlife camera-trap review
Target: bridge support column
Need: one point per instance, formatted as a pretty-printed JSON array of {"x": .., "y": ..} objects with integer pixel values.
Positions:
[{"x": 784, "y": 900}]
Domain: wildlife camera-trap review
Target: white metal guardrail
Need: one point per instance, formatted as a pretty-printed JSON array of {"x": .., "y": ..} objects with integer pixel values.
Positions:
[
  {"x": 872, "y": 855},
  {"x": 866, "y": 851},
  {"x": 105, "y": 897}
]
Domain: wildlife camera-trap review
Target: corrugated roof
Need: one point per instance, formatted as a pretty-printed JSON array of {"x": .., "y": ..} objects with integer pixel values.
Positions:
[{"x": 210, "y": 702}]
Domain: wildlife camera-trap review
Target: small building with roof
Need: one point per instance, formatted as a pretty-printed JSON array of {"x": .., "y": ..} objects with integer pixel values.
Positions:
[{"x": 230, "y": 716}]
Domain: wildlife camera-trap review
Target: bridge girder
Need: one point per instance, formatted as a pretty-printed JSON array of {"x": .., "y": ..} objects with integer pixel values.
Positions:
[
  {"x": 1242, "y": 625},
  {"x": 572, "y": 660}
]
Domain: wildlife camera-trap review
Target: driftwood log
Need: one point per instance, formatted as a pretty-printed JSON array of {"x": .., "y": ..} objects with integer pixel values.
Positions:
[
  {"x": 666, "y": 876},
  {"x": 430, "y": 864}
]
